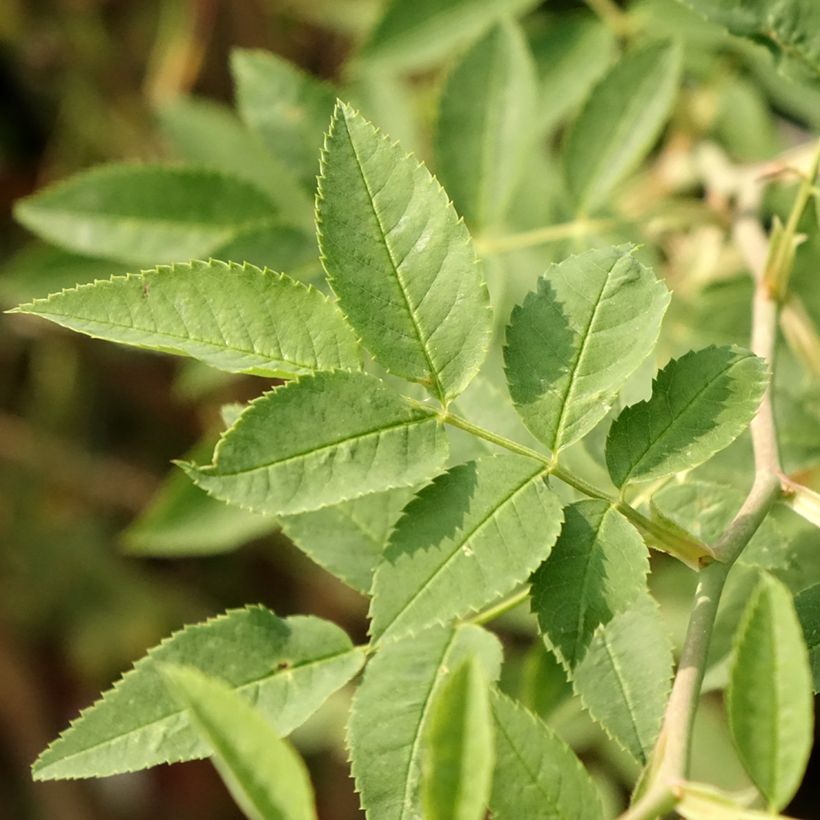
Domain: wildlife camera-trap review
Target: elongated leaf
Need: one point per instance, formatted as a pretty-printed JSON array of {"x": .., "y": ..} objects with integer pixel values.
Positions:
[
  {"x": 807, "y": 605},
  {"x": 486, "y": 125},
  {"x": 145, "y": 214},
  {"x": 769, "y": 699},
  {"x": 470, "y": 536},
  {"x": 457, "y": 747},
  {"x": 392, "y": 708},
  {"x": 348, "y": 539},
  {"x": 414, "y": 35},
  {"x": 288, "y": 108},
  {"x": 619, "y": 123},
  {"x": 624, "y": 677},
  {"x": 275, "y": 246},
  {"x": 266, "y": 778},
  {"x": 574, "y": 342},
  {"x": 700, "y": 801},
  {"x": 321, "y": 440},
  {"x": 287, "y": 667},
  {"x": 537, "y": 775},
  {"x": 234, "y": 317},
  {"x": 700, "y": 404},
  {"x": 597, "y": 569},
  {"x": 389, "y": 237}
]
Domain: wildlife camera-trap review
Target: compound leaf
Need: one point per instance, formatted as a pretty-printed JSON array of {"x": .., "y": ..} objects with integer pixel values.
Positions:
[
  {"x": 286, "y": 667},
  {"x": 321, "y": 440},
  {"x": 470, "y": 536},
  {"x": 457, "y": 747},
  {"x": 537, "y": 775},
  {"x": 769, "y": 699},
  {"x": 597, "y": 569},
  {"x": 390, "y": 238},
  {"x": 624, "y": 678},
  {"x": 145, "y": 213},
  {"x": 807, "y": 605},
  {"x": 574, "y": 342},
  {"x": 392, "y": 708},
  {"x": 486, "y": 124},
  {"x": 233, "y": 317},
  {"x": 619, "y": 122},
  {"x": 266, "y": 778},
  {"x": 700, "y": 404}
]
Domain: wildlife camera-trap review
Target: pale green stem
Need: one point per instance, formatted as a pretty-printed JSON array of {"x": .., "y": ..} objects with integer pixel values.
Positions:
[
  {"x": 487, "y": 245},
  {"x": 501, "y": 608}
]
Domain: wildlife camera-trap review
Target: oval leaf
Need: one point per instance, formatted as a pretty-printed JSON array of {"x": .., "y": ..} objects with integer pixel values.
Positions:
[
  {"x": 389, "y": 237},
  {"x": 807, "y": 605}
]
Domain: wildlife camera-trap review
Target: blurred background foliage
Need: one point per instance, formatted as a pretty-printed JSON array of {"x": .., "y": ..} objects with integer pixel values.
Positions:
[{"x": 87, "y": 430}]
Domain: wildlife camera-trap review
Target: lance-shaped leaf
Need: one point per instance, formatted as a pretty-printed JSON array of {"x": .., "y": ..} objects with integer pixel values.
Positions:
[
  {"x": 286, "y": 667},
  {"x": 457, "y": 747},
  {"x": 700, "y": 801},
  {"x": 486, "y": 123},
  {"x": 536, "y": 774},
  {"x": 233, "y": 317},
  {"x": 700, "y": 404},
  {"x": 624, "y": 677},
  {"x": 264, "y": 775},
  {"x": 574, "y": 342},
  {"x": 143, "y": 213},
  {"x": 769, "y": 699},
  {"x": 392, "y": 707},
  {"x": 286, "y": 107},
  {"x": 414, "y": 35},
  {"x": 807, "y": 605},
  {"x": 321, "y": 440},
  {"x": 348, "y": 539},
  {"x": 619, "y": 122},
  {"x": 597, "y": 569},
  {"x": 470, "y": 536},
  {"x": 399, "y": 259}
]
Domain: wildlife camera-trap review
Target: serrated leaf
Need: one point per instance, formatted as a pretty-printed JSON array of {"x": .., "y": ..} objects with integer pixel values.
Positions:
[
  {"x": 233, "y": 317},
  {"x": 537, "y": 775},
  {"x": 457, "y": 747},
  {"x": 597, "y": 569},
  {"x": 807, "y": 606},
  {"x": 469, "y": 537},
  {"x": 700, "y": 404},
  {"x": 574, "y": 342},
  {"x": 624, "y": 678},
  {"x": 620, "y": 122},
  {"x": 144, "y": 213},
  {"x": 769, "y": 699},
  {"x": 486, "y": 124},
  {"x": 348, "y": 539},
  {"x": 287, "y": 107},
  {"x": 392, "y": 707},
  {"x": 286, "y": 667},
  {"x": 324, "y": 439},
  {"x": 389, "y": 237},
  {"x": 265, "y": 776},
  {"x": 414, "y": 35}
]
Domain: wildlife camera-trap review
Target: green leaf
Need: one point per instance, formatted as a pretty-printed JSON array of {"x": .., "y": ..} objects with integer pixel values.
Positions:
[
  {"x": 348, "y": 539},
  {"x": 624, "y": 678},
  {"x": 233, "y": 317},
  {"x": 392, "y": 708},
  {"x": 807, "y": 605},
  {"x": 537, "y": 775},
  {"x": 700, "y": 801},
  {"x": 700, "y": 404},
  {"x": 620, "y": 122},
  {"x": 597, "y": 569},
  {"x": 266, "y": 778},
  {"x": 321, "y": 440},
  {"x": 144, "y": 213},
  {"x": 286, "y": 667},
  {"x": 389, "y": 237},
  {"x": 485, "y": 125},
  {"x": 469, "y": 537},
  {"x": 275, "y": 246},
  {"x": 415, "y": 35},
  {"x": 769, "y": 699},
  {"x": 574, "y": 342},
  {"x": 457, "y": 747}
]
